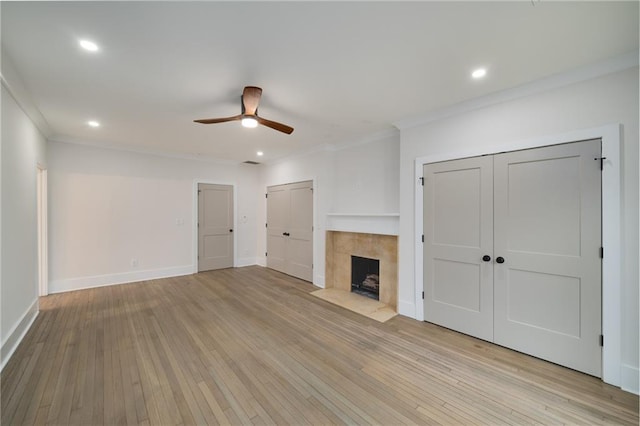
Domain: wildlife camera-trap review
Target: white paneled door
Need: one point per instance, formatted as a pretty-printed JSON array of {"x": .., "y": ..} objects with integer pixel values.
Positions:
[
  {"x": 215, "y": 226},
  {"x": 458, "y": 224},
  {"x": 290, "y": 229},
  {"x": 278, "y": 207},
  {"x": 548, "y": 232},
  {"x": 525, "y": 228}
]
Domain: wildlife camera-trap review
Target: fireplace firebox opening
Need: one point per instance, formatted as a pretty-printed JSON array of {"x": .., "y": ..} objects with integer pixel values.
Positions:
[{"x": 365, "y": 277}]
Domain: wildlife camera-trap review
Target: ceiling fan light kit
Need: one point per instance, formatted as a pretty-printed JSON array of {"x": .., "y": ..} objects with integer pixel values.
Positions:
[
  {"x": 249, "y": 115},
  {"x": 249, "y": 122}
]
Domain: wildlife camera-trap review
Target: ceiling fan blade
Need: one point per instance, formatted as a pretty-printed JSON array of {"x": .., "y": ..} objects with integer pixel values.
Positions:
[
  {"x": 275, "y": 125},
  {"x": 218, "y": 120},
  {"x": 250, "y": 99}
]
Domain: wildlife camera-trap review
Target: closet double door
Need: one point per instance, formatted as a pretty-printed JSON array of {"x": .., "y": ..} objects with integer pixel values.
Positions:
[
  {"x": 512, "y": 250},
  {"x": 290, "y": 229}
]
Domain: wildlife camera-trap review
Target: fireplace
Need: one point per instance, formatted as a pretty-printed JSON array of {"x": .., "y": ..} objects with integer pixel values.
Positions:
[
  {"x": 341, "y": 247},
  {"x": 365, "y": 277}
]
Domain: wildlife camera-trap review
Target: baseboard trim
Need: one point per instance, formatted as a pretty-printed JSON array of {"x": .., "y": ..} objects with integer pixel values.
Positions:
[
  {"x": 407, "y": 309},
  {"x": 630, "y": 377},
  {"x": 18, "y": 332},
  {"x": 72, "y": 284},
  {"x": 318, "y": 281}
]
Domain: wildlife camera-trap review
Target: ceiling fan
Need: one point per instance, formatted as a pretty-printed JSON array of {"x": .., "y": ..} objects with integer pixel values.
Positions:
[{"x": 249, "y": 116}]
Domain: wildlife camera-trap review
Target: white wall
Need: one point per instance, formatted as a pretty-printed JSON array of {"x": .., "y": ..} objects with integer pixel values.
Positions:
[
  {"x": 366, "y": 177},
  {"x": 358, "y": 178},
  {"x": 108, "y": 207},
  {"x": 23, "y": 148},
  {"x": 605, "y": 100}
]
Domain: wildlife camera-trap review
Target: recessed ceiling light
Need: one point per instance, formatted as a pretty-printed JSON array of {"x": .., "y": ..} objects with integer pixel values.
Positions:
[
  {"x": 93, "y": 123},
  {"x": 479, "y": 73},
  {"x": 89, "y": 45},
  {"x": 259, "y": 153}
]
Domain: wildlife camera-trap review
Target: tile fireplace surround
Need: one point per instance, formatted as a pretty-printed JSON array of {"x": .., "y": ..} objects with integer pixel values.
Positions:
[{"x": 340, "y": 246}]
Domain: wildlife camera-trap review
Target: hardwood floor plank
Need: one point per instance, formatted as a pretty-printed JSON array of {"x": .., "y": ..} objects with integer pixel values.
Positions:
[
  {"x": 218, "y": 412},
  {"x": 97, "y": 410},
  {"x": 253, "y": 346},
  {"x": 26, "y": 387}
]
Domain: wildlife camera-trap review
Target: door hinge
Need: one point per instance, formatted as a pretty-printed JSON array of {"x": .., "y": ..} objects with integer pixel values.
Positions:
[
  {"x": 601, "y": 161},
  {"x": 265, "y": 254},
  {"x": 421, "y": 181},
  {"x": 199, "y": 191},
  {"x": 423, "y": 295},
  {"x": 601, "y": 252},
  {"x": 423, "y": 238},
  {"x": 266, "y": 195},
  {"x": 601, "y": 340},
  {"x": 265, "y": 225}
]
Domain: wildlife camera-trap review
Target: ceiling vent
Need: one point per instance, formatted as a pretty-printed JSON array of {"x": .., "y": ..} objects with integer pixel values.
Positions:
[{"x": 251, "y": 162}]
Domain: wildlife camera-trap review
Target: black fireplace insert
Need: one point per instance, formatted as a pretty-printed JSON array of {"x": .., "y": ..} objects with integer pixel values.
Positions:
[{"x": 365, "y": 277}]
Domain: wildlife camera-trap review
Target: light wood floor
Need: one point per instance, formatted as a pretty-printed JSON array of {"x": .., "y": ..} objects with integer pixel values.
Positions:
[{"x": 252, "y": 346}]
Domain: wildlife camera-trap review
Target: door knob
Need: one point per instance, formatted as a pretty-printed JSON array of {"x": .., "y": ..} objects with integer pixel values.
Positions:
[
  {"x": 486, "y": 258},
  {"x": 230, "y": 230},
  {"x": 499, "y": 259},
  {"x": 286, "y": 234}
]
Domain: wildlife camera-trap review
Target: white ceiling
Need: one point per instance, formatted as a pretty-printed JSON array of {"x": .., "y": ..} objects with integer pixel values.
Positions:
[{"x": 337, "y": 72}]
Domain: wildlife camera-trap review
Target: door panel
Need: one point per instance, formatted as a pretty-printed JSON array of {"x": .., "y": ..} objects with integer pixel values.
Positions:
[
  {"x": 458, "y": 222},
  {"x": 300, "y": 240},
  {"x": 533, "y": 187},
  {"x": 548, "y": 227},
  {"x": 456, "y": 207},
  {"x": 277, "y": 219},
  {"x": 528, "y": 291},
  {"x": 456, "y": 284},
  {"x": 215, "y": 224}
]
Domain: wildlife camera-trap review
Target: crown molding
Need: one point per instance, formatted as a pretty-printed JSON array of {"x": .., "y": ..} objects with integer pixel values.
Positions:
[
  {"x": 142, "y": 151},
  {"x": 374, "y": 137},
  {"x": 12, "y": 82},
  {"x": 610, "y": 66},
  {"x": 299, "y": 154}
]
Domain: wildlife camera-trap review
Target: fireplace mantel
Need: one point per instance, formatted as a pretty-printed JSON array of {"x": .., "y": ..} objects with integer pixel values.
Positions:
[{"x": 385, "y": 223}]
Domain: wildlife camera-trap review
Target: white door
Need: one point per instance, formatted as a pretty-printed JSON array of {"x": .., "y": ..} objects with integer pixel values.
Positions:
[
  {"x": 290, "y": 229},
  {"x": 548, "y": 231},
  {"x": 215, "y": 226},
  {"x": 278, "y": 207},
  {"x": 300, "y": 231},
  {"x": 537, "y": 215},
  {"x": 458, "y": 233}
]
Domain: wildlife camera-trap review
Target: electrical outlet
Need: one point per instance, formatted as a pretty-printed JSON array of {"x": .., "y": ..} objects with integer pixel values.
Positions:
[{"x": 134, "y": 263}]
